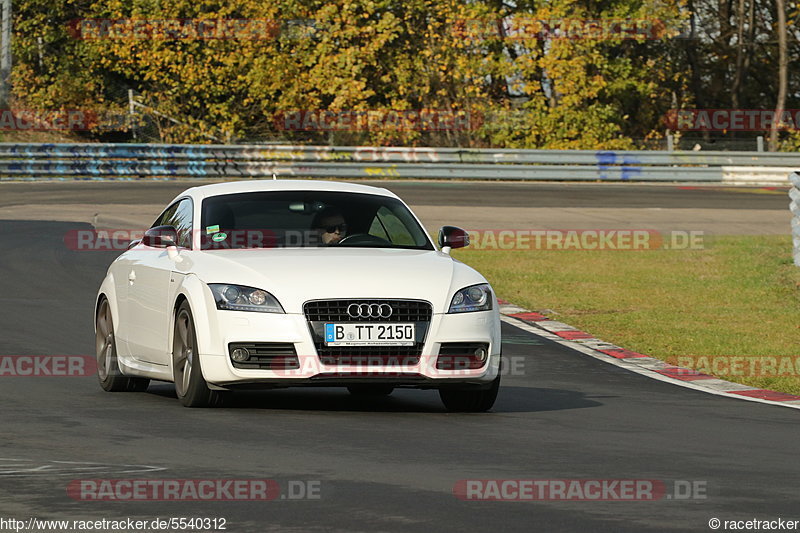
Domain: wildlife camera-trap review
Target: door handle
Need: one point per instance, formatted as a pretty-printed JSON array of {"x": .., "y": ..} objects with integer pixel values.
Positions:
[{"x": 132, "y": 277}]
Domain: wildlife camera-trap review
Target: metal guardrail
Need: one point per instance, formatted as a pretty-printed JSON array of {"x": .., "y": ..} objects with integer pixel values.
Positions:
[{"x": 128, "y": 161}]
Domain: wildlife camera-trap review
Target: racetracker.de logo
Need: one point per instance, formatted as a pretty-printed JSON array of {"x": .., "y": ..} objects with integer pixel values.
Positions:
[
  {"x": 732, "y": 119},
  {"x": 37, "y": 366},
  {"x": 586, "y": 239},
  {"x": 174, "y": 489},
  {"x": 386, "y": 366},
  {"x": 189, "y": 29},
  {"x": 756, "y": 366},
  {"x": 47, "y": 120},
  {"x": 518, "y": 490},
  {"x": 254, "y": 490},
  {"x": 101, "y": 240},
  {"x": 377, "y": 120},
  {"x": 520, "y": 28},
  {"x": 86, "y": 240}
]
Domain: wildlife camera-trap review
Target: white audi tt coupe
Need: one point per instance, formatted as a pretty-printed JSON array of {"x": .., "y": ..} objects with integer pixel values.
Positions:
[{"x": 279, "y": 283}]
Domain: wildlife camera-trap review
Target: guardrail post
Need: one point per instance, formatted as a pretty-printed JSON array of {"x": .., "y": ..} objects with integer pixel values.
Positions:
[
  {"x": 132, "y": 113},
  {"x": 794, "y": 207}
]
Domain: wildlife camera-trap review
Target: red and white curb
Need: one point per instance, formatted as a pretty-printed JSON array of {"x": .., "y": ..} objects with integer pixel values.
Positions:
[{"x": 645, "y": 365}]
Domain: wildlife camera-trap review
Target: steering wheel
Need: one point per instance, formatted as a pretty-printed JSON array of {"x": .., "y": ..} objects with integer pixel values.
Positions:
[{"x": 362, "y": 238}]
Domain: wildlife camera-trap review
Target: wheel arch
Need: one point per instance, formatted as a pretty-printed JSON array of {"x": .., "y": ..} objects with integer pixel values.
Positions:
[
  {"x": 108, "y": 292},
  {"x": 178, "y": 301},
  {"x": 193, "y": 291}
]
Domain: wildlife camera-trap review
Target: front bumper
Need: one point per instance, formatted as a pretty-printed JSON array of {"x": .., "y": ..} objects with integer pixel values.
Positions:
[{"x": 229, "y": 327}]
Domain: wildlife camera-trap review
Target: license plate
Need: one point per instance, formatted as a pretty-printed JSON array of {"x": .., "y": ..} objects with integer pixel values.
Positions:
[{"x": 370, "y": 334}]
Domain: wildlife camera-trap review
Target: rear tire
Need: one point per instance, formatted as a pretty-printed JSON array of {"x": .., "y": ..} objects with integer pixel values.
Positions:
[
  {"x": 470, "y": 401},
  {"x": 374, "y": 390},
  {"x": 108, "y": 372},
  {"x": 190, "y": 387}
]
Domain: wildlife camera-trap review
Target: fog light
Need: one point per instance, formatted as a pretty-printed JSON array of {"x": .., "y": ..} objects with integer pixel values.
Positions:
[
  {"x": 240, "y": 355},
  {"x": 480, "y": 354}
]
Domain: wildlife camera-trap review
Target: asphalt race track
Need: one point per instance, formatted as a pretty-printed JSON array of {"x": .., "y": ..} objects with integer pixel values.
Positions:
[
  {"x": 389, "y": 464},
  {"x": 454, "y": 193}
]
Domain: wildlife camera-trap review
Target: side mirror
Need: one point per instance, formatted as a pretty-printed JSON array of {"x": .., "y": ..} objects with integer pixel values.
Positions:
[
  {"x": 452, "y": 237},
  {"x": 161, "y": 237}
]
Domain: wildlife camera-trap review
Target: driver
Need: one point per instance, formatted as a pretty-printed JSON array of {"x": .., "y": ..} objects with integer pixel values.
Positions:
[{"x": 330, "y": 225}]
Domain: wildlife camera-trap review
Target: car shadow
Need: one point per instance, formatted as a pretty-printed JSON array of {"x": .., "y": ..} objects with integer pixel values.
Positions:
[{"x": 510, "y": 400}]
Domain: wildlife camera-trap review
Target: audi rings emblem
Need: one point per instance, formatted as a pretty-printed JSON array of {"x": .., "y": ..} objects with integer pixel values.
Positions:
[{"x": 369, "y": 310}]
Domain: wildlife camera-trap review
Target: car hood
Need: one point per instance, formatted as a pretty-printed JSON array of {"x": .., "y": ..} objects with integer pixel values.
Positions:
[{"x": 295, "y": 276}]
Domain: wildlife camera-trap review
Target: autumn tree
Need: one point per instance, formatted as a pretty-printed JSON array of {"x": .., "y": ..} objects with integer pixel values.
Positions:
[{"x": 528, "y": 73}]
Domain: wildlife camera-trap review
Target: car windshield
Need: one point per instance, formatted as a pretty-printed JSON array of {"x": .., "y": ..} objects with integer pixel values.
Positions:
[{"x": 299, "y": 219}]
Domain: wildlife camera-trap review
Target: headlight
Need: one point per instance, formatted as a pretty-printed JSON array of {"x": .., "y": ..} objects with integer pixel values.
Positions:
[
  {"x": 475, "y": 298},
  {"x": 239, "y": 298}
]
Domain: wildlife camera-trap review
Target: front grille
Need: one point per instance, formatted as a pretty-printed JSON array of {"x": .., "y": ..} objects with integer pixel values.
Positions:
[
  {"x": 336, "y": 311},
  {"x": 461, "y": 356},
  {"x": 266, "y": 356},
  {"x": 320, "y": 312},
  {"x": 369, "y": 355}
]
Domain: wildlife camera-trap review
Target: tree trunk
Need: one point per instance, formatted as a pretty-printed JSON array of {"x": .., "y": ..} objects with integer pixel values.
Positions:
[
  {"x": 783, "y": 64},
  {"x": 695, "y": 83},
  {"x": 740, "y": 52}
]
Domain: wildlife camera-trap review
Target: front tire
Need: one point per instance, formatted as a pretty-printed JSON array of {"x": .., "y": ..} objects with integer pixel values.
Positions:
[
  {"x": 470, "y": 401},
  {"x": 190, "y": 387},
  {"x": 108, "y": 372}
]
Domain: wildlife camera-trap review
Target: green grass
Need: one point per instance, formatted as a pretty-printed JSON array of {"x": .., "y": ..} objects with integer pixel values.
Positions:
[{"x": 738, "y": 297}]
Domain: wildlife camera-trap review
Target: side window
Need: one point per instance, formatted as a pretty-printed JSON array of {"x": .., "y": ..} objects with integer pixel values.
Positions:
[
  {"x": 166, "y": 215},
  {"x": 179, "y": 215},
  {"x": 387, "y": 226},
  {"x": 378, "y": 230}
]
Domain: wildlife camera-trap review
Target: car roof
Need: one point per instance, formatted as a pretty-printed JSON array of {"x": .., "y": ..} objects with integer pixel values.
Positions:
[{"x": 266, "y": 185}]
